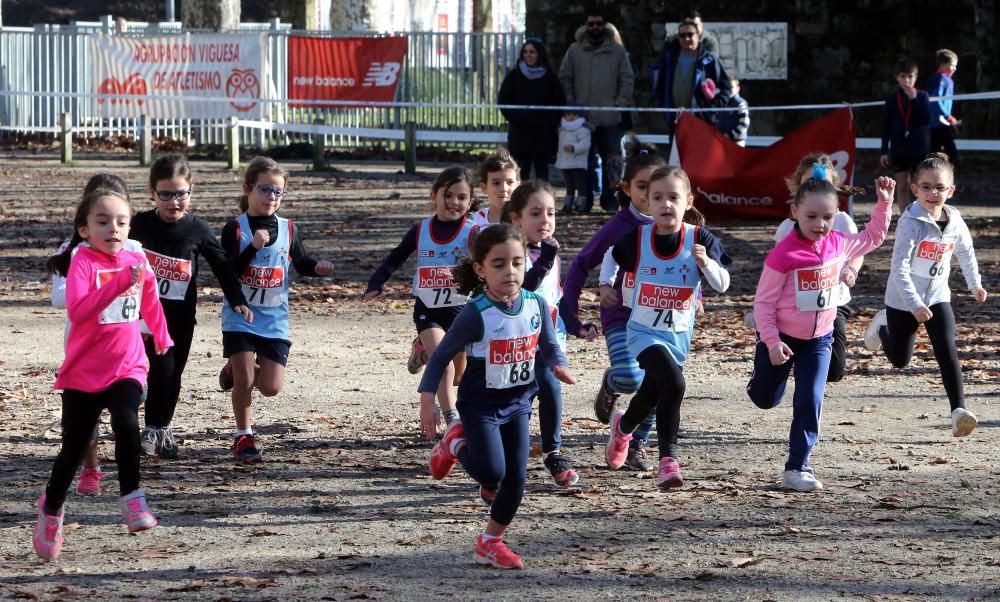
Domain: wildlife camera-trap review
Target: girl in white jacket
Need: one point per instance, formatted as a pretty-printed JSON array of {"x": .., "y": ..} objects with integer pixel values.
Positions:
[
  {"x": 928, "y": 234},
  {"x": 574, "y": 146}
]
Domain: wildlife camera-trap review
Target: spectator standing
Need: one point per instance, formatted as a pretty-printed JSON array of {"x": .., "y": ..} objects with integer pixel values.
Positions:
[
  {"x": 533, "y": 133},
  {"x": 904, "y": 131},
  {"x": 943, "y": 126},
  {"x": 735, "y": 123},
  {"x": 596, "y": 72},
  {"x": 574, "y": 148},
  {"x": 708, "y": 39}
]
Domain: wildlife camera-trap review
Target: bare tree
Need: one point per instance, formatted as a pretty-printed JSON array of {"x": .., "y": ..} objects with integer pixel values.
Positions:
[
  {"x": 213, "y": 14},
  {"x": 348, "y": 15}
]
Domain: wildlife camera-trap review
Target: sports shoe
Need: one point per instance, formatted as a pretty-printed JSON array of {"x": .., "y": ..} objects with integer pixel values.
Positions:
[
  {"x": 245, "y": 450},
  {"x": 669, "y": 475},
  {"x": 149, "y": 441},
  {"x": 561, "y": 469},
  {"x": 168, "y": 446},
  {"x": 638, "y": 458},
  {"x": 417, "y": 357},
  {"x": 606, "y": 399},
  {"x": 487, "y": 495},
  {"x": 872, "y": 340},
  {"x": 136, "y": 513},
  {"x": 800, "y": 480},
  {"x": 47, "y": 537},
  {"x": 963, "y": 422},
  {"x": 494, "y": 553},
  {"x": 89, "y": 481},
  {"x": 749, "y": 321},
  {"x": 617, "y": 449},
  {"x": 442, "y": 461},
  {"x": 226, "y": 381}
]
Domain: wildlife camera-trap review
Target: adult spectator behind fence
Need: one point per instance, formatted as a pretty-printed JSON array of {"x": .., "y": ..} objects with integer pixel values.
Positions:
[
  {"x": 596, "y": 72},
  {"x": 533, "y": 133},
  {"x": 689, "y": 76},
  {"x": 708, "y": 41}
]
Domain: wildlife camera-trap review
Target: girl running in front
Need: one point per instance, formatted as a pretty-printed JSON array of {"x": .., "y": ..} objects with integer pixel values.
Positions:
[
  {"x": 794, "y": 309},
  {"x": 624, "y": 376},
  {"x": 663, "y": 255},
  {"x": 501, "y": 329},
  {"x": 498, "y": 176},
  {"x": 105, "y": 366},
  {"x": 440, "y": 242},
  {"x": 532, "y": 209},
  {"x": 928, "y": 233},
  {"x": 89, "y": 480},
  {"x": 172, "y": 239},
  {"x": 263, "y": 247}
]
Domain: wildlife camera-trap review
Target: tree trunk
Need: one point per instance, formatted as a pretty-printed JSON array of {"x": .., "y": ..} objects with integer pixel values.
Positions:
[
  {"x": 350, "y": 15},
  {"x": 482, "y": 15},
  {"x": 212, "y": 14}
]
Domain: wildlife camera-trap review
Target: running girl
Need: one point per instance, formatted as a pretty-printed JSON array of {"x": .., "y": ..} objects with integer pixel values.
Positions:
[
  {"x": 105, "y": 367},
  {"x": 794, "y": 309},
  {"x": 663, "y": 255},
  {"x": 927, "y": 235},
  {"x": 498, "y": 176},
  {"x": 263, "y": 247},
  {"x": 440, "y": 242},
  {"x": 501, "y": 330}
]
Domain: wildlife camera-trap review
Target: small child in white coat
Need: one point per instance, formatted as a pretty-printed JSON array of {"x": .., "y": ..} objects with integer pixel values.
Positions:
[{"x": 574, "y": 146}]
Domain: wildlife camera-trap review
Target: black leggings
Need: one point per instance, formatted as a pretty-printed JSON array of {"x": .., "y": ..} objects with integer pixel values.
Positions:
[
  {"x": 165, "y": 370},
  {"x": 900, "y": 333},
  {"x": 838, "y": 356},
  {"x": 80, "y": 413},
  {"x": 662, "y": 389}
]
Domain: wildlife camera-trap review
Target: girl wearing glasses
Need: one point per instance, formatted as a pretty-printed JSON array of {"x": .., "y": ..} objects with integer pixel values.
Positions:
[
  {"x": 263, "y": 247},
  {"x": 928, "y": 234},
  {"x": 173, "y": 239}
]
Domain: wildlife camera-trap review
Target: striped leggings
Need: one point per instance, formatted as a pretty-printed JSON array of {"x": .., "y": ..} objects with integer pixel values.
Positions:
[{"x": 625, "y": 378}]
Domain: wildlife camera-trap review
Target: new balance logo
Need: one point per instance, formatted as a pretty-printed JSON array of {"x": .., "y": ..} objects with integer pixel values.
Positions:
[{"x": 381, "y": 74}]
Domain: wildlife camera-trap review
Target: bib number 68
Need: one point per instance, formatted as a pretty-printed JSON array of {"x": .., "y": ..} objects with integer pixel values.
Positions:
[{"x": 520, "y": 373}]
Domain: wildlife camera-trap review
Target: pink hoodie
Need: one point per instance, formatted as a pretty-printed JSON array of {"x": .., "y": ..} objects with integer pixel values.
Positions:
[
  {"x": 774, "y": 306},
  {"x": 104, "y": 344}
]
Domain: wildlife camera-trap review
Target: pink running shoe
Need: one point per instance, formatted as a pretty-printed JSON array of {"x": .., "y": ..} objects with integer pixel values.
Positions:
[
  {"x": 418, "y": 357},
  {"x": 494, "y": 553},
  {"x": 136, "y": 513},
  {"x": 442, "y": 461},
  {"x": 669, "y": 475},
  {"x": 47, "y": 537},
  {"x": 617, "y": 450},
  {"x": 89, "y": 481}
]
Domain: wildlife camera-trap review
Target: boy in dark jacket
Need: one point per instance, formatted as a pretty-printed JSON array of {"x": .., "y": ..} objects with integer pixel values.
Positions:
[{"x": 904, "y": 132}]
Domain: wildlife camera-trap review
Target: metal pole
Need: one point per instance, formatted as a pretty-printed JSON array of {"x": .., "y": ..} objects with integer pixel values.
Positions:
[{"x": 169, "y": 5}]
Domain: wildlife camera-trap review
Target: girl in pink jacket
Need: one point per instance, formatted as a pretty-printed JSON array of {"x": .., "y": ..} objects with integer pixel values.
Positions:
[
  {"x": 107, "y": 286},
  {"x": 794, "y": 309}
]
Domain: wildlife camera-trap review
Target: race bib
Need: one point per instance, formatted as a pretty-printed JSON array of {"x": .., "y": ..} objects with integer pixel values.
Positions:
[
  {"x": 932, "y": 258},
  {"x": 436, "y": 288},
  {"x": 172, "y": 275},
  {"x": 125, "y": 307},
  {"x": 264, "y": 286},
  {"x": 817, "y": 289},
  {"x": 511, "y": 362},
  {"x": 628, "y": 288},
  {"x": 664, "y": 307}
]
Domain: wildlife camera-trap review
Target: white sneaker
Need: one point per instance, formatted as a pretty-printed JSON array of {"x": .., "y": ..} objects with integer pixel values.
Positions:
[
  {"x": 800, "y": 481},
  {"x": 872, "y": 340},
  {"x": 963, "y": 422},
  {"x": 749, "y": 321}
]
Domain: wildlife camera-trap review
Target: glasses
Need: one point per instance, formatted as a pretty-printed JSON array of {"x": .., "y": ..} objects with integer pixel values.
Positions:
[
  {"x": 268, "y": 190},
  {"x": 168, "y": 195},
  {"x": 595, "y": 23},
  {"x": 934, "y": 189},
  {"x": 687, "y": 35}
]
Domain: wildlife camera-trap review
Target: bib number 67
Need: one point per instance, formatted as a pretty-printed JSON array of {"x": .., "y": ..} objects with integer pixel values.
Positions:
[{"x": 823, "y": 298}]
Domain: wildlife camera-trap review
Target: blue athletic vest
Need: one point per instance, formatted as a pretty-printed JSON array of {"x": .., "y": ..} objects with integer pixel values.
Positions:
[
  {"x": 432, "y": 281},
  {"x": 551, "y": 290},
  {"x": 265, "y": 285}
]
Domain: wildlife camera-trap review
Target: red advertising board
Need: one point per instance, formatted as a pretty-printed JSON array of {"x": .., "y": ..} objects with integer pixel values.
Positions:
[
  {"x": 362, "y": 69},
  {"x": 731, "y": 181}
]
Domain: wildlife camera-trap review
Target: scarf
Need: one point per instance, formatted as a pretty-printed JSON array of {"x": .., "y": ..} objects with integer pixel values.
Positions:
[
  {"x": 573, "y": 125},
  {"x": 531, "y": 72}
]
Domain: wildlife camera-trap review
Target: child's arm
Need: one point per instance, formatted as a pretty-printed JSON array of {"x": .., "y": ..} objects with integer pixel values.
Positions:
[
  {"x": 889, "y": 113},
  {"x": 856, "y": 245},
  {"x": 152, "y": 313},
  {"x": 303, "y": 262},
  {"x": 58, "y": 291},
  {"x": 223, "y": 267},
  {"x": 582, "y": 145},
  {"x": 587, "y": 259},
  {"x": 609, "y": 273},
  {"x": 922, "y": 109},
  {"x": 712, "y": 260},
  {"x": 231, "y": 244},
  {"x": 553, "y": 356},
  {"x": 970, "y": 267},
  {"x": 743, "y": 120},
  {"x": 541, "y": 268},
  {"x": 467, "y": 327},
  {"x": 83, "y": 303},
  {"x": 765, "y": 312},
  {"x": 392, "y": 262}
]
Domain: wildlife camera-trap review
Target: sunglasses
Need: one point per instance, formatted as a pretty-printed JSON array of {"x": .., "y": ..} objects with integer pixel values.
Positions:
[
  {"x": 268, "y": 190},
  {"x": 595, "y": 23},
  {"x": 687, "y": 35},
  {"x": 168, "y": 195}
]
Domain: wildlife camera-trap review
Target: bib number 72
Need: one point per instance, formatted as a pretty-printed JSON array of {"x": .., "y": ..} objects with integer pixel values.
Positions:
[{"x": 442, "y": 296}]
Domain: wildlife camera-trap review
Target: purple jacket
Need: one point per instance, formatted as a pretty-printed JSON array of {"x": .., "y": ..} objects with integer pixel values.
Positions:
[{"x": 590, "y": 257}]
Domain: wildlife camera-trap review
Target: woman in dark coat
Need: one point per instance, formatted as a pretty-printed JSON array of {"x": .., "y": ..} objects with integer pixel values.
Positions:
[{"x": 533, "y": 133}]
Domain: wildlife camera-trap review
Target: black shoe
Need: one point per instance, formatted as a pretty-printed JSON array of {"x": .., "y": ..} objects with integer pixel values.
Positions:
[
  {"x": 168, "y": 447},
  {"x": 245, "y": 450},
  {"x": 561, "y": 469},
  {"x": 605, "y": 401}
]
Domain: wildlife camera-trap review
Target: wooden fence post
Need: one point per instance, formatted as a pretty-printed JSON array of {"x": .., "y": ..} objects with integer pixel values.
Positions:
[
  {"x": 66, "y": 137},
  {"x": 145, "y": 141},
  {"x": 319, "y": 148},
  {"x": 410, "y": 147},
  {"x": 233, "y": 143}
]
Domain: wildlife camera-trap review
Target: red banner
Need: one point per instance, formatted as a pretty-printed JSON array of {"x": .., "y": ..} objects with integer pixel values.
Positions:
[
  {"x": 731, "y": 181},
  {"x": 363, "y": 69}
]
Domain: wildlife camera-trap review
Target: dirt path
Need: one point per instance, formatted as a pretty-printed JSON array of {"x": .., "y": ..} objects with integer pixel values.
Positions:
[{"x": 343, "y": 507}]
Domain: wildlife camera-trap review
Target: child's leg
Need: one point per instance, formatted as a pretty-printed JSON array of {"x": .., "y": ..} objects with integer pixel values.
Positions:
[
  {"x": 161, "y": 371},
  {"x": 767, "y": 383},
  {"x": 271, "y": 377},
  {"x": 902, "y": 190},
  {"x": 182, "y": 334},
  {"x": 496, "y": 455},
  {"x": 80, "y": 413},
  {"x": 838, "y": 359},
  {"x": 122, "y": 400},
  {"x": 431, "y": 338},
  {"x": 667, "y": 380},
  {"x": 243, "y": 383},
  {"x": 941, "y": 331},
  {"x": 549, "y": 407},
  {"x": 90, "y": 459},
  {"x": 898, "y": 336},
  {"x": 811, "y": 362},
  {"x": 626, "y": 375}
]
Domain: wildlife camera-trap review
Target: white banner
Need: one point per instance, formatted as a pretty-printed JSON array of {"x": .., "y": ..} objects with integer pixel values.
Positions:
[{"x": 187, "y": 67}]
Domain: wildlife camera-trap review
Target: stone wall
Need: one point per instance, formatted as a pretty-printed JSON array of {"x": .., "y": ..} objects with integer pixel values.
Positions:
[{"x": 837, "y": 51}]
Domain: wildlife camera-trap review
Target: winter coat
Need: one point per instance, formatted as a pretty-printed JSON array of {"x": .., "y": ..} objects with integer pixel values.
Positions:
[
  {"x": 706, "y": 66},
  {"x": 598, "y": 76},
  {"x": 580, "y": 139},
  {"x": 895, "y": 141},
  {"x": 532, "y": 132}
]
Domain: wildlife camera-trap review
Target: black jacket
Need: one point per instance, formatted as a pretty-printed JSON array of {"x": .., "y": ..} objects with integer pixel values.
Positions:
[{"x": 532, "y": 131}]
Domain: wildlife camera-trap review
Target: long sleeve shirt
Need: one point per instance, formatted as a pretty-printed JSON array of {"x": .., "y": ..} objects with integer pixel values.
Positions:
[
  {"x": 303, "y": 262},
  {"x": 940, "y": 84},
  {"x": 625, "y": 253},
  {"x": 441, "y": 230}
]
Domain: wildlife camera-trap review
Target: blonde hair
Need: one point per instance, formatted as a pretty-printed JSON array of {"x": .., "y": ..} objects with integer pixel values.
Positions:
[{"x": 794, "y": 180}]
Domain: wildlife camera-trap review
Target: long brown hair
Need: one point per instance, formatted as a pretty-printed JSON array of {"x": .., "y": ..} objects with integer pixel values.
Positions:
[
  {"x": 464, "y": 274},
  {"x": 256, "y": 167}
]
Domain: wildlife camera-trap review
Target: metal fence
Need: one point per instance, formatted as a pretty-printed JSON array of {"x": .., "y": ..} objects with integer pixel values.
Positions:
[{"x": 48, "y": 70}]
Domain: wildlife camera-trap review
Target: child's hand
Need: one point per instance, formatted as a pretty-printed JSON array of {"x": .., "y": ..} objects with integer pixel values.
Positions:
[
  {"x": 568, "y": 148},
  {"x": 910, "y": 91},
  {"x": 609, "y": 298},
  {"x": 923, "y": 314},
  {"x": 780, "y": 354},
  {"x": 849, "y": 276},
  {"x": 979, "y": 294},
  {"x": 551, "y": 242},
  {"x": 324, "y": 268},
  {"x": 260, "y": 239},
  {"x": 136, "y": 274},
  {"x": 885, "y": 188},
  {"x": 245, "y": 312},
  {"x": 884, "y": 161},
  {"x": 587, "y": 332},
  {"x": 373, "y": 295},
  {"x": 161, "y": 350},
  {"x": 700, "y": 255},
  {"x": 429, "y": 416},
  {"x": 699, "y": 308},
  {"x": 562, "y": 373}
]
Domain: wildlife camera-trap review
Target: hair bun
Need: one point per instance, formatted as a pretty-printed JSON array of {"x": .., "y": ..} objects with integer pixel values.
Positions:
[{"x": 941, "y": 156}]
